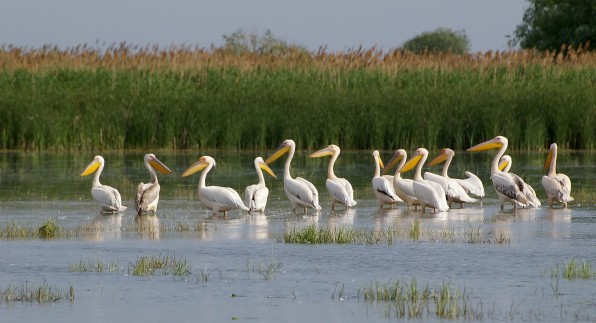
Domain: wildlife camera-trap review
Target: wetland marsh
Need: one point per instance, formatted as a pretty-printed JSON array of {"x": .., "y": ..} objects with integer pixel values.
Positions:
[{"x": 479, "y": 262}]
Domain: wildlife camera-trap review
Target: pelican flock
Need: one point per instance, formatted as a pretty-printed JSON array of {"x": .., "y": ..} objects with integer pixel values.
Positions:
[
  {"x": 434, "y": 191},
  {"x": 107, "y": 197},
  {"x": 509, "y": 187},
  {"x": 299, "y": 191},
  {"x": 147, "y": 195},
  {"x": 339, "y": 189},
  {"x": 215, "y": 198},
  {"x": 557, "y": 186},
  {"x": 383, "y": 185},
  {"x": 255, "y": 196}
]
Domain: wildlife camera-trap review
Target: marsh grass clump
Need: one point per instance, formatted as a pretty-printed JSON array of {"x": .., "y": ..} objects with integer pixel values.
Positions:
[
  {"x": 574, "y": 270},
  {"x": 166, "y": 265},
  {"x": 267, "y": 269},
  {"x": 94, "y": 266},
  {"x": 49, "y": 230},
  {"x": 41, "y": 294},
  {"x": 311, "y": 234},
  {"x": 409, "y": 300},
  {"x": 340, "y": 235}
]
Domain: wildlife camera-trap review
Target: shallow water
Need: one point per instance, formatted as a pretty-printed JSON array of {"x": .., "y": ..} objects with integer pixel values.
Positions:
[{"x": 504, "y": 281}]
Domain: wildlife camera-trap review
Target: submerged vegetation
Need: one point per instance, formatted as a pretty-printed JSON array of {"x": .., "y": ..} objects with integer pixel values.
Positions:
[
  {"x": 410, "y": 300},
  {"x": 52, "y": 229},
  {"x": 40, "y": 294},
  {"x": 166, "y": 265},
  {"x": 311, "y": 234},
  {"x": 574, "y": 270},
  {"x": 127, "y": 97}
]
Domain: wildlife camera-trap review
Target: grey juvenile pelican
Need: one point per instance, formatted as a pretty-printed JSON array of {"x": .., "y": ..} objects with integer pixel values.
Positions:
[{"x": 148, "y": 194}]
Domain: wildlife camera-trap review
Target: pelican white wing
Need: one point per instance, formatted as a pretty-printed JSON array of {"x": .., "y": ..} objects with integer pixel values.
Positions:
[
  {"x": 558, "y": 188},
  {"x": 108, "y": 198},
  {"x": 432, "y": 194},
  {"x": 147, "y": 197},
  {"x": 217, "y": 198},
  {"x": 472, "y": 184},
  {"x": 256, "y": 197},
  {"x": 384, "y": 191},
  {"x": 453, "y": 191},
  {"x": 341, "y": 190}
]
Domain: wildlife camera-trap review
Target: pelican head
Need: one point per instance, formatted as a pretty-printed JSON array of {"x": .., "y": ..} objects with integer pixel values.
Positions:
[
  {"x": 203, "y": 163},
  {"x": 328, "y": 151},
  {"x": 93, "y": 165},
  {"x": 285, "y": 147},
  {"x": 549, "y": 158},
  {"x": 378, "y": 158},
  {"x": 157, "y": 164},
  {"x": 259, "y": 162},
  {"x": 414, "y": 160},
  {"x": 397, "y": 156},
  {"x": 505, "y": 163},
  {"x": 445, "y": 154},
  {"x": 495, "y": 143}
]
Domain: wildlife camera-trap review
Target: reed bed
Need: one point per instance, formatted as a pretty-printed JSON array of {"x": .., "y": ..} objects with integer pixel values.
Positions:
[
  {"x": 127, "y": 97},
  {"x": 40, "y": 294},
  {"x": 312, "y": 234}
]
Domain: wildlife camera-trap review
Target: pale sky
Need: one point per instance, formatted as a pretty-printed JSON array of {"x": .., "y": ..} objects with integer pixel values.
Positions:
[{"x": 336, "y": 24}]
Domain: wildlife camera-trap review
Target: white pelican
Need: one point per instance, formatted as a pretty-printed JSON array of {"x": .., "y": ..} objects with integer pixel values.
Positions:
[
  {"x": 430, "y": 194},
  {"x": 148, "y": 194},
  {"x": 509, "y": 187},
  {"x": 455, "y": 192},
  {"x": 339, "y": 189},
  {"x": 107, "y": 197},
  {"x": 215, "y": 198},
  {"x": 382, "y": 185},
  {"x": 255, "y": 196},
  {"x": 404, "y": 188},
  {"x": 299, "y": 191},
  {"x": 557, "y": 186}
]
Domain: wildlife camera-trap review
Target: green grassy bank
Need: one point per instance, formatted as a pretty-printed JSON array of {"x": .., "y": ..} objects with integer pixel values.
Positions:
[{"x": 243, "y": 106}]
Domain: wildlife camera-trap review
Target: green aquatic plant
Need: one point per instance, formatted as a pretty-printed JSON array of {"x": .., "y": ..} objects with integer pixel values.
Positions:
[
  {"x": 40, "y": 294},
  {"x": 409, "y": 300},
  {"x": 49, "y": 229},
  {"x": 267, "y": 269},
  {"x": 93, "y": 266},
  {"x": 166, "y": 265},
  {"x": 311, "y": 234}
]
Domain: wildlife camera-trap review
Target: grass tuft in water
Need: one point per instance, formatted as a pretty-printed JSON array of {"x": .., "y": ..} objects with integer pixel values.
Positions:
[
  {"x": 267, "y": 269},
  {"x": 166, "y": 265},
  {"x": 573, "y": 270},
  {"x": 49, "y": 229},
  {"x": 410, "y": 300},
  {"x": 94, "y": 266},
  {"x": 313, "y": 235},
  {"x": 41, "y": 294}
]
